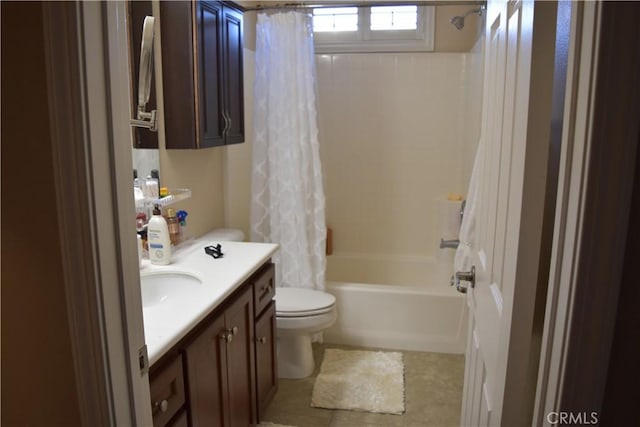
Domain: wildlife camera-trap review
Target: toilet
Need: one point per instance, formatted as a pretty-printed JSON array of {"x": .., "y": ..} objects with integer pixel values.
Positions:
[
  {"x": 300, "y": 314},
  {"x": 224, "y": 235}
]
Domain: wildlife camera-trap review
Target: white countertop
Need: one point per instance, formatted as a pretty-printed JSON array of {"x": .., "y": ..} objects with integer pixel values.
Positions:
[{"x": 168, "y": 322}]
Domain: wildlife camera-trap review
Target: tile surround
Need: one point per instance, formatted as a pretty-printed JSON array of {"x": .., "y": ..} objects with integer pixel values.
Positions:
[{"x": 391, "y": 130}]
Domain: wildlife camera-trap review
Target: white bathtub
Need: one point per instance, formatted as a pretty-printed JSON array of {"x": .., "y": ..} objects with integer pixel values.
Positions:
[{"x": 402, "y": 303}]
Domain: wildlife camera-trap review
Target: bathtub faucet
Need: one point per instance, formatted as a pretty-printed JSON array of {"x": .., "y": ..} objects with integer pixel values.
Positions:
[{"x": 453, "y": 244}]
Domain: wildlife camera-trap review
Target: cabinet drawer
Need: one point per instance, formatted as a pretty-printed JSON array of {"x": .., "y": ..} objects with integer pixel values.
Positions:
[
  {"x": 167, "y": 392},
  {"x": 181, "y": 420},
  {"x": 264, "y": 289}
]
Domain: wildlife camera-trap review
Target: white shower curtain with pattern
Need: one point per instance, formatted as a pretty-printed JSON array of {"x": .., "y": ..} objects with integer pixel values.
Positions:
[{"x": 288, "y": 203}]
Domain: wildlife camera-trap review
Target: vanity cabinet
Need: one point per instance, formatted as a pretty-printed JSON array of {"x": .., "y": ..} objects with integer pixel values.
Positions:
[
  {"x": 265, "y": 327},
  {"x": 266, "y": 361},
  {"x": 168, "y": 393},
  {"x": 223, "y": 372},
  {"x": 202, "y": 73},
  {"x": 220, "y": 368}
]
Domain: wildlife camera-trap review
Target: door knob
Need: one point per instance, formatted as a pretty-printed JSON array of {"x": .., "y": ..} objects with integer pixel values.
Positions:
[{"x": 467, "y": 276}]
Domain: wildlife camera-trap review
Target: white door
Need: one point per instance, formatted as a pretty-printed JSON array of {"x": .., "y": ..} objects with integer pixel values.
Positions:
[{"x": 490, "y": 389}]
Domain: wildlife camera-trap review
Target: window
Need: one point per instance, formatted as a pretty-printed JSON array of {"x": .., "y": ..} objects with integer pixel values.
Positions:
[
  {"x": 335, "y": 19},
  {"x": 385, "y": 18},
  {"x": 373, "y": 29}
]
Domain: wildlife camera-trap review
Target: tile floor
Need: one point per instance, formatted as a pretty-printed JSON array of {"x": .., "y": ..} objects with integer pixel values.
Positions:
[{"x": 433, "y": 395}]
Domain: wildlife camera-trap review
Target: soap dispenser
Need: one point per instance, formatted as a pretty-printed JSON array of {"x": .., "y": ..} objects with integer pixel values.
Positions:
[{"x": 158, "y": 239}]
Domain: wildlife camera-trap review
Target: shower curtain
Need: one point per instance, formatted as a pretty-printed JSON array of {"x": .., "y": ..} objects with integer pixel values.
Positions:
[{"x": 288, "y": 203}]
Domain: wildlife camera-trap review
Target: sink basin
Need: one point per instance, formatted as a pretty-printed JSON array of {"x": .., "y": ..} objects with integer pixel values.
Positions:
[{"x": 159, "y": 287}]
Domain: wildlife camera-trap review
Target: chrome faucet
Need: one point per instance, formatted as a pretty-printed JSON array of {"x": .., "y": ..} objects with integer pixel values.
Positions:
[{"x": 453, "y": 244}]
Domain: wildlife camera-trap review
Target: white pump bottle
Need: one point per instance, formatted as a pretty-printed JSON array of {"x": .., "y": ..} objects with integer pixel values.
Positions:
[{"x": 158, "y": 239}]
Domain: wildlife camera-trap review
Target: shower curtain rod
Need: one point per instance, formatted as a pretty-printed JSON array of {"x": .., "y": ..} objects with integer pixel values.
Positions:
[{"x": 363, "y": 4}]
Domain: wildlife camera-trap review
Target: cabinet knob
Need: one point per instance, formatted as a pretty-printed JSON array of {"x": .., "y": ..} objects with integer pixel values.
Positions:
[
  {"x": 227, "y": 336},
  {"x": 163, "y": 405},
  {"x": 262, "y": 340}
]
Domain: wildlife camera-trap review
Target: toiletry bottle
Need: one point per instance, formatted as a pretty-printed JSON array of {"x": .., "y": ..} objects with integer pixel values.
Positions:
[
  {"x": 155, "y": 174},
  {"x": 153, "y": 190},
  {"x": 139, "y": 244},
  {"x": 158, "y": 238},
  {"x": 174, "y": 226}
]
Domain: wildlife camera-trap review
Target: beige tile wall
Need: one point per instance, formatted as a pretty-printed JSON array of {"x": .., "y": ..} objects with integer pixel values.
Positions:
[
  {"x": 393, "y": 140},
  {"x": 473, "y": 108},
  {"x": 391, "y": 132},
  {"x": 397, "y": 132}
]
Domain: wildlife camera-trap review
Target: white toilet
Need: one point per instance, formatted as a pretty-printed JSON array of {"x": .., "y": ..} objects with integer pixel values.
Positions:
[
  {"x": 224, "y": 235},
  {"x": 300, "y": 314}
]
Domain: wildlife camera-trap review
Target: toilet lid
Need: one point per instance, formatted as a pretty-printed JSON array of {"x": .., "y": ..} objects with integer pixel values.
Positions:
[{"x": 295, "y": 302}]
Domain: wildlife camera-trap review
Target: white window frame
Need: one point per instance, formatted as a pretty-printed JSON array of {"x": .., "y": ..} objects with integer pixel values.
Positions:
[{"x": 366, "y": 40}]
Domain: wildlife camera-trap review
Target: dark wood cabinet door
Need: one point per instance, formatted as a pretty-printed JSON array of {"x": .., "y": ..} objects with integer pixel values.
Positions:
[
  {"x": 202, "y": 74},
  {"x": 137, "y": 11},
  {"x": 178, "y": 82},
  {"x": 207, "y": 376},
  {"x": 209, "y": 20},
  {"x": 240, "y": 361},
  {"x": 180, "y": 421},
  {"x": 233, "y": 75},
  {"x": 266, "y": 362}
]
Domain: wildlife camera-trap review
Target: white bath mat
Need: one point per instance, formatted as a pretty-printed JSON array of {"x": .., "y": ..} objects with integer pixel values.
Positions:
[{"x": 371, "y": 381}]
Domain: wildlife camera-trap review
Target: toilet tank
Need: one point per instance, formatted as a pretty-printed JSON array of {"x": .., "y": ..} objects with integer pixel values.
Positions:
[{"x": 224, "y": 235}]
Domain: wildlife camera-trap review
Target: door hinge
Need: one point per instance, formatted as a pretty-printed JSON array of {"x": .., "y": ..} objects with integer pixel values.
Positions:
[{"x": 143, "y": 360}]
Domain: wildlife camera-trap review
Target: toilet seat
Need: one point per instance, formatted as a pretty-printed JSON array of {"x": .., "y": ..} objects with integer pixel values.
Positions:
[{"x": 295, "y": 302}]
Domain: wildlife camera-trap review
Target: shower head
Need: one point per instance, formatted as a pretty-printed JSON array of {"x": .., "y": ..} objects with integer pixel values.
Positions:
[{"x": 458, "y": 21}]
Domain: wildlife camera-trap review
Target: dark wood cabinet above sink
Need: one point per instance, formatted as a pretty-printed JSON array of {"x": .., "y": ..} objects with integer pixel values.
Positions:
[{"x": 202, "y": 73}]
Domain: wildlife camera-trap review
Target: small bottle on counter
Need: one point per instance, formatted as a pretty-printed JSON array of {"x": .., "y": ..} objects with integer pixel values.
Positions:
[
  {"x": 158, "y": 239},
  {"x": 153, "y": 190},
  {"x": 156, "y": 175},
  {"x": 174, "y": 226}
]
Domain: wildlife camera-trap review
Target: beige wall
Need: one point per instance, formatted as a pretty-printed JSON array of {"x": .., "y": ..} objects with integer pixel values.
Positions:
[
  {"x": 447, "y": 37},
  {"x": 38, "y": 380},
  {"x": 202, "y": 172},
  {"x": 238, "y": 160},
  {"x": 199, "y": 170}
]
